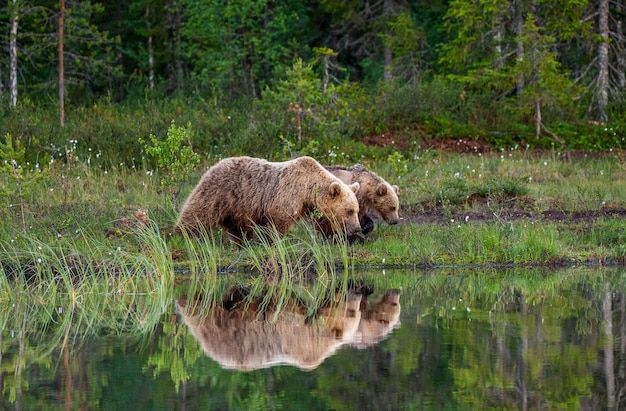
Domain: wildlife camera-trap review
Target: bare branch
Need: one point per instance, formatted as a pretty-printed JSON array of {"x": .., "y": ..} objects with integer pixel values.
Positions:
[{"x": 587, "y": 69}]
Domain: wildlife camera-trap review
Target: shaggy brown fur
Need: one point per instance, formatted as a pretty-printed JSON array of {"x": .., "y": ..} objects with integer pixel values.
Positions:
[
  {"x": 238, "y": 334},
  {"x": 375, "y": 195},
  {"x": 378, "y": 319},
  {"x": 238, "y": 193}
]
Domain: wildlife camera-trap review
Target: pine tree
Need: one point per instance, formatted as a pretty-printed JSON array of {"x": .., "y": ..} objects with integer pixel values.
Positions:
[{"x": 497, "y": 45}]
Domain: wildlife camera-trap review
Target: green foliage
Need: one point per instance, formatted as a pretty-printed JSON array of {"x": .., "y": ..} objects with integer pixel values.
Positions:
[
  {"x": 11, "y": 153},
  {"x": 91, "y": 56},
  {"x": 530, "y": 81},
  {"x": 297, "y": 102},
  {"x": 218, "y": 56},
  {"x": 397, "y": 163},
  {"x": 408, "y": 46},
  {"x": 10, "y": 171},
  {"x": 174, "y": 157},
  {"x": 545, "y": 85},
  {"x": 302, "y": 108},
  {"x": 14, "y": 177},
  {"x": 436, "y": 108},
  {"x": 245, "y": 42},
  {"x": 176, "y": 352},
  {"x": 468, "y": 23}
]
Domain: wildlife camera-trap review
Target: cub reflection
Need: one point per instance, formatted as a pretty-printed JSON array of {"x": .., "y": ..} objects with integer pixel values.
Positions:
[{"x": 239, "y": 334}]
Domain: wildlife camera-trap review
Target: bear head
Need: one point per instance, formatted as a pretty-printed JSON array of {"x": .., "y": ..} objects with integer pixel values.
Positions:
[
  {"x": 384, "y": 201},
  {"x": 378, "y": 319},
  {"x": 340, "y": 206}
]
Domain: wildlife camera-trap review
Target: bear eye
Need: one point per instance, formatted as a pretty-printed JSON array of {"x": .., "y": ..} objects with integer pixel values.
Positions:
[
  {"x": 350, "y": 212},
  {"x": 392, "y": 209}
]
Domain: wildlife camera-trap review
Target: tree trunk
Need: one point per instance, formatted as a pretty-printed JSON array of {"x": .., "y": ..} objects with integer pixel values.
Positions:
[
  {"x": 178, "y": 47},
  {"x": 621, "y": 59},
  {"x": 518, "y": 25},
  {"x": 387, "y": 52},
  {"x": 498, "y": 37},
  {"x": 13, "y": 55},
  {"x": 602, "y": 92},
  {"x": 609, "y": 355},
  {"x": 326, "y": 76},
  {"x": 150, "y": 50},
  {"x": 538, "y": 118},
  {"x": 61, "y": 65}
]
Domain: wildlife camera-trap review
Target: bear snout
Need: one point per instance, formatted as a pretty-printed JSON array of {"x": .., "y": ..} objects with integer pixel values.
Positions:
[
  {"x": 393, "y": 221},
  {"x": 353, "y": 229}
]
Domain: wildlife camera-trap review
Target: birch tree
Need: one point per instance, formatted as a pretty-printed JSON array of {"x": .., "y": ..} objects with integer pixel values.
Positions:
[
  {"x": 150, "y": 44},
  {"x": 15, "y": 16},
  {"x": 61, "y": 56},
  {"x": 602, "y": 90}
]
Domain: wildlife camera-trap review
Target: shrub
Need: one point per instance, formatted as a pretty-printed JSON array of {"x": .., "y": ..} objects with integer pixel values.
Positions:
[{"x": 174, "y": 157}]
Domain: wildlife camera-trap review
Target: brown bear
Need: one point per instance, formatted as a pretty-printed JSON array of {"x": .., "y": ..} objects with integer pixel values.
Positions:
[
  {"x": 238, "y": 193},
  {"x": 378, "y": 319},
  {"x": 375, "y": 196},
  {"x": 249, "y": 335}
]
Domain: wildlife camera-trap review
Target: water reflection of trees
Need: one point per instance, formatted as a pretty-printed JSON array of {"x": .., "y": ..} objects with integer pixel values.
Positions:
[
  {"x": 532, "y": 341},
  {"x": 610, "y": 373},
  {"x": 48, "y": 353},
  {"x": 518, "y": 340}
]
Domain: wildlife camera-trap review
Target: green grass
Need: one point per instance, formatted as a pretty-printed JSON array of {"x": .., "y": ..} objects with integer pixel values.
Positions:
[
  {"x": 82, "y": 211},
  {"x": 462, "y": 243}
]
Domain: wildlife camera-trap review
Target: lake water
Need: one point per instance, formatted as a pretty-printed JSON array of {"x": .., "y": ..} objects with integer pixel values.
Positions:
[{"x": 442, "y": 339}]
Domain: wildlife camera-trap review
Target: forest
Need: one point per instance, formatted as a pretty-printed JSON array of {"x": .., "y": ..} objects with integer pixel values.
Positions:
[{"x": 275, "y": 79}]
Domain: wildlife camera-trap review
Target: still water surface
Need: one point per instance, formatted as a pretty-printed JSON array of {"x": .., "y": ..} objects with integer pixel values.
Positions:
[{"x": 456, "y": 340}]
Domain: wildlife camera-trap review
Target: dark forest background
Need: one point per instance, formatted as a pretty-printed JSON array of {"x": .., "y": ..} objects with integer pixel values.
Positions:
[{"x": 318, "y": 77}]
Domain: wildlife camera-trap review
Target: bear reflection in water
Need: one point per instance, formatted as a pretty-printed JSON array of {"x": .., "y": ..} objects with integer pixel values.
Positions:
[{"x": 239, "y": 335}]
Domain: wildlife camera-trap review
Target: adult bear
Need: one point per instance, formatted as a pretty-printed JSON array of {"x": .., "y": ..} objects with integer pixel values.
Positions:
[
  {"x": 251, "y": 334},
  {"x": 238, "y": 193},
  {"x": 375, "y": 196}
]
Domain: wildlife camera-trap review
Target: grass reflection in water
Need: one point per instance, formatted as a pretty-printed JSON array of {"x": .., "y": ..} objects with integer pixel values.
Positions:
[{"x": 464, "y": 339}]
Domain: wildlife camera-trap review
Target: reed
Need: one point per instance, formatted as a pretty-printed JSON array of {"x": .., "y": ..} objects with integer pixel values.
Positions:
[
  {"x": 89, "y": 285},
  {"x": 298, "y": 265},
  {"x": 201, "y": 269}
]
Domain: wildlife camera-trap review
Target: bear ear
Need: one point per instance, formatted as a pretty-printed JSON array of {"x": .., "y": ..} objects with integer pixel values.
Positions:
[
  {"x": 355, "y": 187},
  {"x": 396, "y": 189},
  {"x": 334, "y": 189},
  {"x": 381, "y": 190}
]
